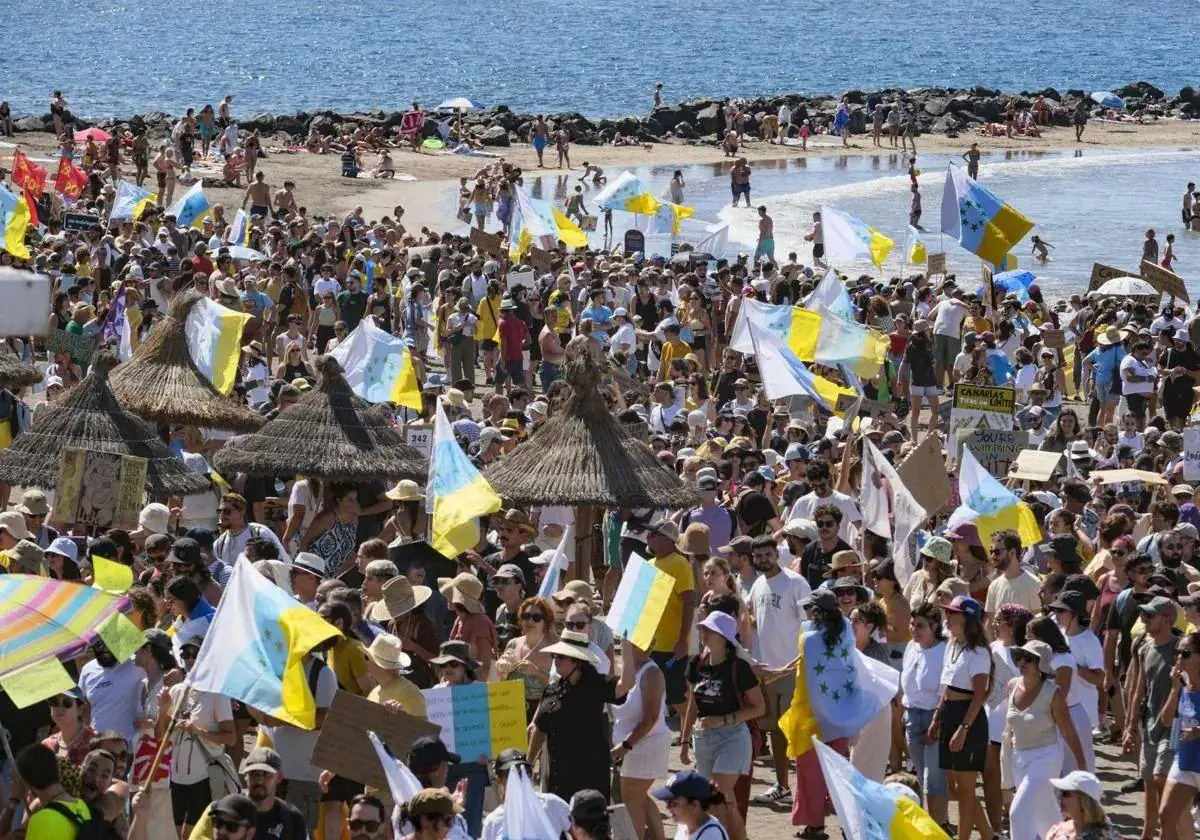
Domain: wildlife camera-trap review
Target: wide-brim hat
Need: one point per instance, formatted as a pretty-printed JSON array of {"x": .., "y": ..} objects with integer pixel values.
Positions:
[
  {"x": 386, "y": 651},
  {"x": 844, "y": 559},
  {"x": 464, "y": 589},
  {"x": 406, "y": 490},
  {"x": 696, "y": 539},
  {"x": 575, "y": 646},
  {"x": 400, "y": 598},
  {"x": 255, "y": 349},
  {"x": 455, "y": 651},
  {"x": 1111, "y": 335},
  {"x": 1037, "y": 649},
  {"x": 33, "y": 503}
]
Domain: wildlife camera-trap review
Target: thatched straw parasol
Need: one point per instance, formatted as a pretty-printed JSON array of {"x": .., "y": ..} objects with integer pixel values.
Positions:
[
  {"x": 329, "y": 433},
  {"x": 13, "y": 372},
  {"x": 89, "y": 417},
  {"x": 583, "y": 457},
  {"x": 163, "y": 384}
]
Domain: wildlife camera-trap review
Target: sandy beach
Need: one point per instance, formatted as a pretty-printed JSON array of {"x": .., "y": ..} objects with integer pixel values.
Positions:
[{"x": 428, "y": 201}]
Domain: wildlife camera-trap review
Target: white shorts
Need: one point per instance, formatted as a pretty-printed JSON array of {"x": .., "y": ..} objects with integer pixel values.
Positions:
[
  {"x": 648, "y": 759},
  {"x": 1183, "y": 777},
  {"x": 923, "y": 390}
]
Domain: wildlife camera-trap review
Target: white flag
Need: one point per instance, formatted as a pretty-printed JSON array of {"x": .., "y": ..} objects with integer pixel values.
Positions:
[
  {"x": 557, "y": 565},
  {"x": 883, "y": 492},
  {"x": 401, "y": 781},
  {"x": 524, "y": 815}
]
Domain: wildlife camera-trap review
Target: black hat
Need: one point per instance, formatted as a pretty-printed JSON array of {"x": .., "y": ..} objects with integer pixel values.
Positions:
[
  {"x": 237, "y": 807},
  {"x": 823, "y": 598},
  {"x": 1069, "y": 601},
  {"x": 429, "y": 751},
  {"x": 464, "y": 385},
  {"x": 187, "y": 552},
  {"x": 1082, "y": 584},
  {"x": 587, "y": 806},
  {"x": 508, "y": 759}
]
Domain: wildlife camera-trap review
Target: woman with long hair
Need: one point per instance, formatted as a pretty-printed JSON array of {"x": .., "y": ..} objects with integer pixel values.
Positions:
[
  {"x": 923, "y": 387},
  {"x": 333, "y": 534},
  {"x": 408, "y": 519},
  {"x": 1063, "y": 667},
  {"x": 1181, "y": 713},
  {"x": 971, "y": 557},
  {"x": 1069, "y": 611},
  {"x": 1063, "y": 433},
  {"x": 689, "y": 797},
  {"x": 937, "y": 564},
  {"x": 1037, "y": 717},
  {"x": 1008, "y": 629},
  {"x": 1080, "y": 794},
  {"x": 525, "y": 656},
  {"x": 960, "y": 723},
  {"x": 641, "y": 738},
  {"x": 920, "y": 681}
]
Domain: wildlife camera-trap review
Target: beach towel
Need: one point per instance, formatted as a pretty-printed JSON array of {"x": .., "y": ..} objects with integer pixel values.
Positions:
[{"x": 411, "y": 123}]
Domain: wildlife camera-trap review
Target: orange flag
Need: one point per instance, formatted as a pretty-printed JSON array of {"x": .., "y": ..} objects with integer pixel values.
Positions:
[
  {"x": 27, "y": 175},
  {"x": 69, "y": 180}
]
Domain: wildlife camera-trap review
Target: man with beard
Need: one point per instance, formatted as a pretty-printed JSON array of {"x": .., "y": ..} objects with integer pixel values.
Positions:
[
  {"x": 775, "y": 609},
  {"x": 512, "y": 533},
  {"x": 367, "y": 821},
  {"x": 262, "y": 771},
  {"x": 113, "y": 690}
]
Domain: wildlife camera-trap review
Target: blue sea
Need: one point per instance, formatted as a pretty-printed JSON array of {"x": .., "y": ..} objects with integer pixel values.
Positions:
[{"x": 119, "y": 57}]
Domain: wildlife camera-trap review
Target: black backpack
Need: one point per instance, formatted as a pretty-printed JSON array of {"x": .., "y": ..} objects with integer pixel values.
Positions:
[{"x": 92, "y": 828}]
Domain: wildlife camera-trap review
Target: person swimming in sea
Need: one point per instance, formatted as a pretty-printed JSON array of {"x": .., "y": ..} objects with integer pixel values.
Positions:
[{"x": 1040, "y": 249}]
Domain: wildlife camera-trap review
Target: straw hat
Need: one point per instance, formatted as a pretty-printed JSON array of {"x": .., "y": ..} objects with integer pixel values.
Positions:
[
  {"x": 463, "y": 589},
  {"x": 406, "y": 490},
  {"x": 519, "y": 518},
  {"x": 400, "y": 597},
  {"x": 695, "y": 540},
  {"x": 1111, "y": 335},
  {"x": 385, "y": 651},
  {"x": 575, "y": 646},
  {"x": 255, "y": 349},
  {"x": 842, "y": 560}
]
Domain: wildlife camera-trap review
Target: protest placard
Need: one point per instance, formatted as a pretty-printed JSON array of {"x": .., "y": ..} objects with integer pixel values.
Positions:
[
  {"x": 521, "y": 278},
  {"x": 479, "y": 718},
  {"x": 1167, "y": 282},
  {"x": 80, "y": 347},
  {"x": 989, "y": 290},
  {"x": 419, "y": 436},
  {"x": 34, "y": 683},
  {"x": 1054, "y": 339},
  {"x": 1191, "y": 454},
  {"x": 995, "y": 449},
  {"x": 1122, "y": 476},
  {"x": 868, "y": 408},
  {"x": 100, "y": 490},
  {"x": 639, "y": 602},
  {"x": 121, "y": 636},
  {"x": 542, "y": 261},
  {"x": 1035, "y": 465},
  {"x": 489, "y": 243},
  {"x": 635, "y": 241},
  {"x": 110, "y": 575},
  {"x": 343, "y": 747},
  {"x": 924, "y": 474},
  {"x": 1101, "y": 274},
  {"x": 935, "y": 263},
  {"x": 26, "y": 298},
  {"x": 980, "y": 407},
  {"x": 80, "y": 221}
]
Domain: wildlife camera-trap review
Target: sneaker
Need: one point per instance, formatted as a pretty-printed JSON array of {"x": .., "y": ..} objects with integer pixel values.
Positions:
[
  {"x": 1134, "y": 786},
  {"x": 776, "y": 793}
]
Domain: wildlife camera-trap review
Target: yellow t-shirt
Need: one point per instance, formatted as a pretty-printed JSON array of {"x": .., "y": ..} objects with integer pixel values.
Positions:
[
  {"x": 668, "y": 626},
  {"x": 488, "y": 313},
  {"x": 349, "y": 663},
  {"x": 671, "y": 350},
  {"x": 47, "y": 824},
  {"x": 409, "y": 696}
]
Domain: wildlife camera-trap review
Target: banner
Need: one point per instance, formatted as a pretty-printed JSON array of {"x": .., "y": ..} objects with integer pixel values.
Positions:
[
  {"x": 479, "y": 718},
  {"x": 980, "y": 406},
  {"x": 100, "y": 490},
  {"x": 1191, "y": 454}
]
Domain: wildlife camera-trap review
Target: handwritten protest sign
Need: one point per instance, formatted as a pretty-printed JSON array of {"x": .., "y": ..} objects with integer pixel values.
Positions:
[
  {"x": 1035, "y": 465},
  {"x": 121, "y": 636},
  {"x": 80, "y": 221},
  {"x": 479, "y": 718},
  {"x": 924, "y": 474},
  {"x": 980, "y": 407},
  {"x": 640, "y": 602},
  {"x": 1123, "y": 476},
  {"x": 542, "y": 261},
  {"x": 1167, "y": 282},
  {"x": 110, "y": 575},
  {"x": 1191, "y": 454},
  {"x": 343, "y": 747},
  {"x": 1101, "y": 274},
  {"x": 935, "y": 263},
  {"x": 489, "y": 243},
  {"x": 995, "y": 449},
  {"x": 34, "y": 683},
  {"x": 100, "y": 489}
]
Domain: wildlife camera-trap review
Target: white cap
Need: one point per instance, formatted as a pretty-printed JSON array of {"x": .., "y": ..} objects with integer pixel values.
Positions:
[
  {"x": 620, "y": 312},
  {"x": 697, "y": 418},
  {"x": 1080, "y": 781}
]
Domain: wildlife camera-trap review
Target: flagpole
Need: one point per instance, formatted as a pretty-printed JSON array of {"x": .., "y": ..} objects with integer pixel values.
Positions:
[{"x": 166, "y": 738}]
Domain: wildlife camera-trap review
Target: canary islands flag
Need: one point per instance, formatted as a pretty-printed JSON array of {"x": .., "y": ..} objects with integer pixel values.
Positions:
[
  {"x": 627, "y": 192},
  {"x": 991, "y": 505},
  {"x": 190, "y": 207},
  {"x": 869, "y": 810},
  {"x": 214, "y": 336},
  {"x": 537, "y": 222},
  {"x": 458, "y": 494},
  {"x": 841, "y": 342},
  {"x": 378, "y": 366},
  {"x": 129, "y": 201},
  {"x": 850, "y": 238},
  {"x": 831, "y": 295},
  {"x": 255, "y": 647},
  {"x": 239, "y": 232},
  {"x": 838, "y": 690},
  {"x": 14, "y": 221},
  {"x": 981, "y": 222},
  {"x": 784, "y": 375},
  {"x": 797, "y": 328}
]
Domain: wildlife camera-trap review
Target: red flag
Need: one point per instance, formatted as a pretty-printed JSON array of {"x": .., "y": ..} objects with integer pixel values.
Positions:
[
  {"x": 69, "y": 180},
  {"x": 33, "y": 211},
  {"x": 27, "y": 175}
]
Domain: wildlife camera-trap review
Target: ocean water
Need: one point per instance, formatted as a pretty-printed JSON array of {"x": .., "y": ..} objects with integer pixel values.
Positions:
[
  {"x": 119, "y": 57},
  {"x": 1092, "y": 206}
]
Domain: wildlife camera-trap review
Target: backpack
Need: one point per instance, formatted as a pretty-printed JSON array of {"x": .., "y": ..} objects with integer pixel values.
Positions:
[{"x": 92, "y": 828}]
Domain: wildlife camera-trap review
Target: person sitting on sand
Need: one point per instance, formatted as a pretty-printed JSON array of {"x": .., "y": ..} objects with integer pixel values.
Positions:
[
  {"x": 317, "y": 143},
  {"x": 730, "y": 144},
  {"x": 386, "y": 168},
  {"x": 231, "y": 170}
]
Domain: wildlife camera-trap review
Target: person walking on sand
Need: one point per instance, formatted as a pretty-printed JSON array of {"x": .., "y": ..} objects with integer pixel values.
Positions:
[
  {"x": 910, "y": 129},
  {"x": 971, "y": 156},
  {"x": 164, "y": 171},
  {"x": 817, "y": 237},
  {"x": 1080, "y": 119},
  {"x": 1040, "y": 246},
  {"x": 739, "y": 181},
  {"x": 877, "y": 118},
  {"x": 562, "y": 143},
  {"x": 258, "y": 196},
  {"x": 766, "y": 236},
  {"x": 540, "y": 137}
]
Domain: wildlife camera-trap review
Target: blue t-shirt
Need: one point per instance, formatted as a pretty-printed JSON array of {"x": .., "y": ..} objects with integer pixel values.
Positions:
[
  {"x": 1187, "y": 753},
  {"x": 601, "y": 316},
  {"x": 1105, "y": 362}
]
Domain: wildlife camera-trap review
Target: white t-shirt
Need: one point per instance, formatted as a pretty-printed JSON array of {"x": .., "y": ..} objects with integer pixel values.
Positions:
[
  {"x": 295, "y": 745},
  {"x": 301, "y": 495},
  {"x": 962, "y": 665},
  {"x": 805, "y": 505},
  {"x": 1161, "y": 323},
  {"x": 711, "y": 830},
  {"x": 1129, "y": 365},
  {"x": 324, "y": 285},
  {"x": 1066, "y": 660},
  {"x": 1036, "y": 438},
  {"x": 1088, "y": 653},
  {"x": 556, "y": 809},
  {"x": 775, "y": 604},
  {"x": 1135, "y": 441},
  {"x": 190, "y": 764},
  {"x": 949, "y": 318},
  {"x": 962, "y": 363},
  {"x": 115, "y": 695},
  {"x": 921, "y": 675},
  {"x": 1023, "y": 590},
  {"x": 625, "y": 338}
]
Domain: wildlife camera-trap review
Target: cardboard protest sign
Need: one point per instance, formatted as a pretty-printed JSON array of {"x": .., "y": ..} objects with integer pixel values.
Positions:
[
  {"x": 1122, "y": 476},
  {"x": 419, "y": 436},
  {"x": 867, "y": 408},
  {"x": 1101, "y": 274},
  {"x": 1191, "y": 454},
  {"x": 100, "y": 489},
  {"x": 489, "y": 243},
  {"x": 989, "y": 290},
  {"x": 1035, "y": 465},
  {"x": 343, "y": 747},
  {"x": 995, "y": 449},
  {"x": 542, "y": 261},
  {"x": 1167, "y": 282},
  {"x": 924, "y": 474},
  {"x": 80, "y": 347},
  {"x": 980, "y": 407},
  {"x": 935, "y": 263},
  {"x": 479, "y": 718},
  {"x": 521, "y": 278}
]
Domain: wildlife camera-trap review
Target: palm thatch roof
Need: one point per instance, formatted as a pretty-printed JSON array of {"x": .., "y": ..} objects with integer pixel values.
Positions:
[
  {"x": 329, "y": 433},
  {"x": 13, "y": 372},
  {"x": 163, "y": 384},
  {"x": 89, "y": 417},
  {"x": 582, "y": 456}
]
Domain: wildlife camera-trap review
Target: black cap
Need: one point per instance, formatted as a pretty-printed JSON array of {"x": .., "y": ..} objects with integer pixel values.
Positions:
[
  {"x": 238, "y": 807},
  {"x": 1082, "y": 584},
  {"x": 823, "y": 598},
  {"x": 509, "y": 759},
  {"x": 587, "y": 806},
  {"x": 1069, "y": 601},
  {"x": 204, "y": 536},
  {"x": 464, "y": 385},
  {"x": 429, "y": 751},
  {"x": 187, "y": 552}
]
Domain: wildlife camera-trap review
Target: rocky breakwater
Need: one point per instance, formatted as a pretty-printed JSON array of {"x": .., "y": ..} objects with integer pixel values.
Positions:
[{"x": 698, "y": 121}]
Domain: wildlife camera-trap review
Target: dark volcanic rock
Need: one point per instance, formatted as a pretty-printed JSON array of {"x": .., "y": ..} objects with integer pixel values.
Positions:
[
  {"x": 495, "y": 136},
  {"x": 1142, "y": 90}
]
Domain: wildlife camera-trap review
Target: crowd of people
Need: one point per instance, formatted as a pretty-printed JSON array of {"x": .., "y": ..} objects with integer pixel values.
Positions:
[{"x": 1015, "y": 657}]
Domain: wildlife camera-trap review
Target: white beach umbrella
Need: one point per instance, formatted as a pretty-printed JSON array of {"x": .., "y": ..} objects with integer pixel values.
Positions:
[
  {"x": 1127, "y": 286},
  {"x": 459, "y": 103}
]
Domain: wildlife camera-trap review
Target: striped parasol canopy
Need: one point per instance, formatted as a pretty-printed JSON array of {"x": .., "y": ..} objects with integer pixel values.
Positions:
[{"x": 41, "y": 617}]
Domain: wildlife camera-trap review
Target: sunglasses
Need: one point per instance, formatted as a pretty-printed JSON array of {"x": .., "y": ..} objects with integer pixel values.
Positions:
[
  {"x": 61, "y": 703},
  {"x": 228, "y": 825},
  {"x": 826, "y": 523},
  {"x": 364, "y": 825},
  {"x": 533, "y": 617},
  {"x": 1186, "y": 654},
  {"x": 577, "y": 625}
]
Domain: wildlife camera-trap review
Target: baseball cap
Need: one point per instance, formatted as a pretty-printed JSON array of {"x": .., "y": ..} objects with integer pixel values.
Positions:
[
  {"x": 264, "y": 759},
  {"x": 966, "y": 531},
  {"x": 187, "y": 552},
  {"x": 686, "y": 784},
  {"x": 823, "y": 598},
  {"x": 238, "y": 807},
  {"x": 588, "y": 805},
  {"x": 1156, "y": 605},
  {"x": 429, "y": 750},
  {"x": 509, "y": 759},
  {"x": 1080, "y": 781},
  {"x": 966, "y": 605},
  {"x": 510, "y": 571},
  {"x": 707, "y": 482},
  {"x": 738, "y": 545}
]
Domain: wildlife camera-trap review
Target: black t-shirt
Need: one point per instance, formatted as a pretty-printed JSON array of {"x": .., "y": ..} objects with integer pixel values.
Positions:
[
  {"x": 713, "y": 686},
  {"x": 814, "y": 561},
  {"x": 755, "y": 510},
  {"x": 722, "y": 385},
  {"x": 919, "y": 356},
  {"x": 352, "y": 305},
  {"x": 282, "y": 822},
  {"x": 491, "y": 601}
]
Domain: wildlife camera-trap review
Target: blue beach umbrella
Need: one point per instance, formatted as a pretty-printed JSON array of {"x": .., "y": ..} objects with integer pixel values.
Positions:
[{"x": 1108, "y": 99}]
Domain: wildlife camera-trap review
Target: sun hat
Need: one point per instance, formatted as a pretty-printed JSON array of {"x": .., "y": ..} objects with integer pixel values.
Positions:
[
  {"x": 968, "y": 532},
  {"x": 465, "y": 590},
  {"x": 406, "y": 490},
  {"x": 844, "y": 559},
  {"x": 579, "y": 591},
  {"x": 1111, "y": 335},
  {"x": 385, "y": 651},
  {"x": 305, "y": 561},
  {"x": 723, "y": 624},
  {"x": 844, "y": 583},
  {"x": 454, "y": 398},
  {"x": 1080, "y": 451},
  {"x": 696, "y": 539},
  {"x": 1080, "y": 781},
  {"x": 939, "y": 549},
  {"x": 64, "y": 547},
  {"x": 575, "y": 646},
  {"x": 400, "y": 598},
  {"x": 26, "y": 554},
  {"x": 953, "y": 587},
  {"x": 432, "y": 802},
  {"x": 33, "y": 503},
  {"x": 1038, "y": 649},
  {"x": 455, "y": 651},
  {"x": 14, "y": 524},
  {"x": 155, "y": 518}
]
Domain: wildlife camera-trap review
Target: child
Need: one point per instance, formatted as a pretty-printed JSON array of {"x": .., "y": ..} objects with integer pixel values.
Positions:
[
  {"x": 1039, "y": 249},
  {"x": 1168, "y": 259}
]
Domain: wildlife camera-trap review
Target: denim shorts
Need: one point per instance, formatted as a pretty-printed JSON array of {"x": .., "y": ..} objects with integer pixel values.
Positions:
[
  {"x": 924, "y": 756},
  {"x": 724, "y": 750}
]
